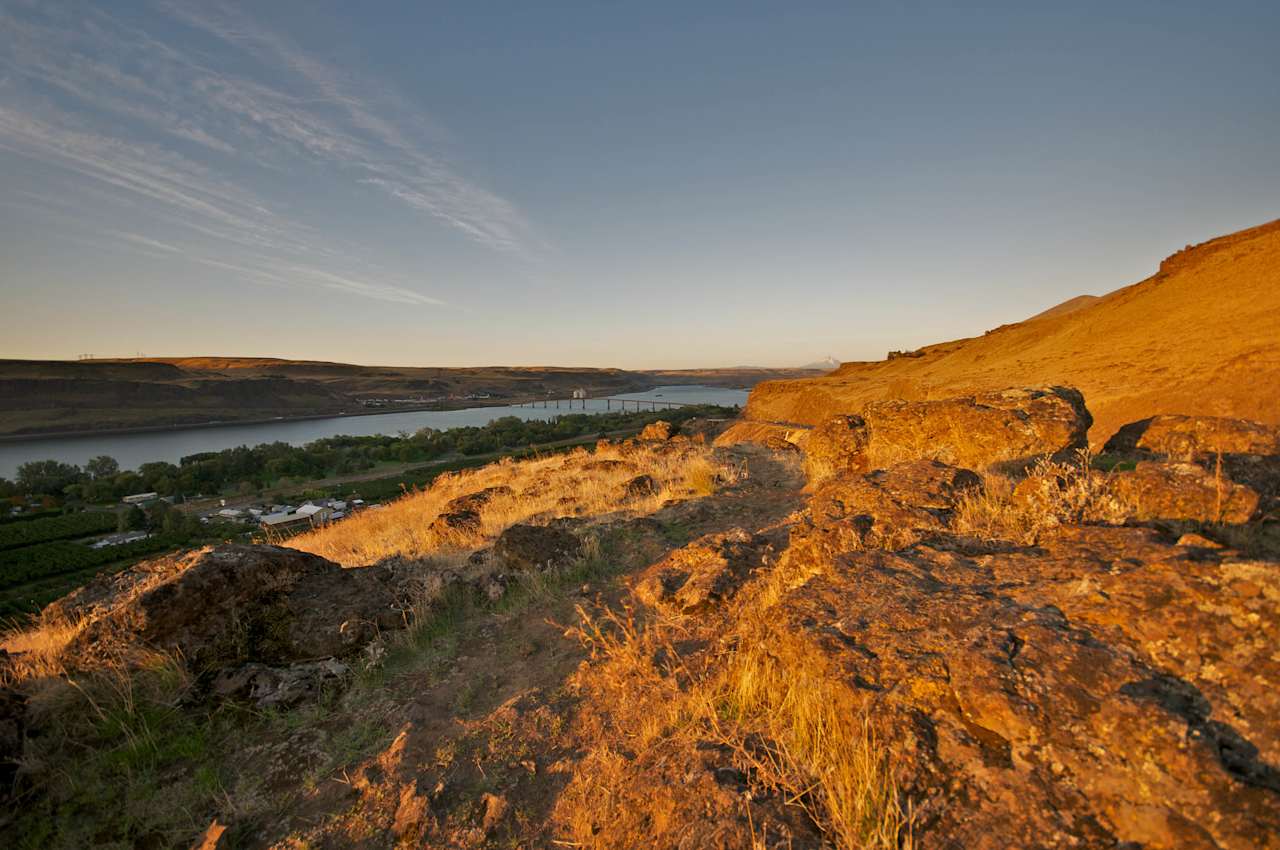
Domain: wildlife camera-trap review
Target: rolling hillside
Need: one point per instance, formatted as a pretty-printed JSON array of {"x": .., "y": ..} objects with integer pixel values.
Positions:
[{"x": 1200, "y": 336}]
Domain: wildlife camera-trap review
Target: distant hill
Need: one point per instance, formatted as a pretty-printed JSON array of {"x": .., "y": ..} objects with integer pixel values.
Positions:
[
  {"x": 1201, "y": 336},
  {"x": 1068, "y": 306},
  {"x": 61, "y": 396}
]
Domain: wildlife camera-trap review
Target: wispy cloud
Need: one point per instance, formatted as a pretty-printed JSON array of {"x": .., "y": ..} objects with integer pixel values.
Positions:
[
  {"x": 98, "y": 97},
  {"x": 375, "y": 142}
]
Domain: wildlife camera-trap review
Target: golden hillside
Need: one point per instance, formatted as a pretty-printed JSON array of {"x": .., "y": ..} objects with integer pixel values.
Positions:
[{"x": 1201, "y": 336}]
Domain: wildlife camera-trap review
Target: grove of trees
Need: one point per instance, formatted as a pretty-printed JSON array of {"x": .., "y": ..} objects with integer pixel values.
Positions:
[{"x": 247, "y": 469}]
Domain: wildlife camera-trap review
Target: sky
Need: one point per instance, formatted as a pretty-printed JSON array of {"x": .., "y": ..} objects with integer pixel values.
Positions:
[{"x": 639, "y": 185}]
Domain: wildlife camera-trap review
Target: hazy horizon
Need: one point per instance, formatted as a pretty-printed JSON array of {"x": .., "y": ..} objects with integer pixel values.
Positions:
[{"x": 572, "y": 185}]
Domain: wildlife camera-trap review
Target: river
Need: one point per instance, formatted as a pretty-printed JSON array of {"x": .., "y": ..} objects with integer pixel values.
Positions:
[{"x": 131, "y": 450}]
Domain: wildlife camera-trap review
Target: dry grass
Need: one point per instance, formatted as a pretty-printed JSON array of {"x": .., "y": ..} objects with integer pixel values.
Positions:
[
  {"x": 579, "y": 483},
  {"x": 1052, "y": 494},
  {"x": 788, "y": 723},
  {"x": 35, "y": 652},
  {"x": 823, "y": 753}
]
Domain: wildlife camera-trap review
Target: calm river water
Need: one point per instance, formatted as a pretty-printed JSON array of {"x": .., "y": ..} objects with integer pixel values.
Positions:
[{"x": 134, "y": 449}]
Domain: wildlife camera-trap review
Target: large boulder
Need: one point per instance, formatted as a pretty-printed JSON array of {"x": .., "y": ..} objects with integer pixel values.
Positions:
[
  {"x": 528, "y": 548},
  {"x": 837, "y": 446},
  {"x": 1102, "y": 689},
  {"x": 1246, "y": 452},
  {"x": 888, "y": 508},
  {"x": 1183, "y": 491},
  {"x": 1189, "y": 438},
  {"x": 657, "y": 432},
  {"x": 1005, "y": 430},
  {"x": 235, "y": 604},
  {"x": 702, "y": 574}
]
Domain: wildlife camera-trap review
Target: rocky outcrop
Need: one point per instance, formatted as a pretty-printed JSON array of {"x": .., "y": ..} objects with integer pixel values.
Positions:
[
  {"x": 1190, "y": 438},
  {"x": 657, "y": 432},
  {"x": 837, "y": 446},
  {"x": 528, "y": 548},
  {"x": 776, "y": 437},
  {"x": 1098, "y": 688},
  {"x": 1245, "y": 452},
  {"x": 1006, "y": 430},
  {"x": 888, "y": 508},
  {"x": 706, "y": 429},
  {"x": 1183, "y": 491},
  {"x": 235, "y": 604},
  {"x": 707, "y": 571},
  {"x": 1102, "y": 690}
]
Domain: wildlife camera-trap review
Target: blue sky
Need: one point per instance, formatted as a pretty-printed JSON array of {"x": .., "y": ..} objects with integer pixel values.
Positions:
[{"x": 634, "y": 185}]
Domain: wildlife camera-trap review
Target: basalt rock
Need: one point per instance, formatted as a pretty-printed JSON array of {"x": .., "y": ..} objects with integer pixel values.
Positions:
[
  {"x": 461, "y": 515},
  {"x": 477, "y": 500},
  {"x": 1246, "y": 452},
  {"x": 640, "y": 486},
  {"x": 657, "y": 432},
  {"x": 888, "y": 508},
  {"x": 703, "y": 573},
  {"x": 465, "y": 522},
  {"x": 234, "y": 604},
  {"x": 1102, "y": 689},
  {"x": 526, "y": 548},
  {"x": 1189, "y": 438},
  {"x": 1005, "y": 430},
  {"x": 279, "y": 687},
  {"x": 707, "y": 429},
  {"x": 1183, "y": 491}
]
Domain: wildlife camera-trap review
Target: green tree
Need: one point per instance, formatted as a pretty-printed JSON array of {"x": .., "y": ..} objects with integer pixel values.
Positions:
[
  {"x": 46, "y": 477},
  {"x": 102, "y": 466},
  {"x": 130, "y": 518}
]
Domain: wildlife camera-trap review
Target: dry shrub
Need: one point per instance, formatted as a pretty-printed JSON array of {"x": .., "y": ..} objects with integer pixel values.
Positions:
[
  {"x": 573, "y": 484},
  {"x": 1053, "y": 493},
  {"x": 700, "y": 477}
]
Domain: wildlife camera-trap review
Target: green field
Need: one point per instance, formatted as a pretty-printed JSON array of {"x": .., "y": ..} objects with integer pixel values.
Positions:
[{"x": 15, "y": 535}]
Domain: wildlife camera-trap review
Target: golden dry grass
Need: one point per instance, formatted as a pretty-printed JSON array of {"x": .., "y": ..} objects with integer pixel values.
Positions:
[
  {"x": 573, "y": 484},
  {"x": 579, "y": 483},
  {"x": 35, "y": 652},
  {"x": 1052, "y": 494},
  {"x": 788, "y": 722}
]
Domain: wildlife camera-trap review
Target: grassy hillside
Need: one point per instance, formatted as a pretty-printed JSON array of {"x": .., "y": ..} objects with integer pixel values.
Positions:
[{"x": 1201, "y": 336}]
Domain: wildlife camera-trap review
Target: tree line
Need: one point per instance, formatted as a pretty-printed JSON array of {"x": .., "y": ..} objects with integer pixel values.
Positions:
[{"x": 245, "y": 470}]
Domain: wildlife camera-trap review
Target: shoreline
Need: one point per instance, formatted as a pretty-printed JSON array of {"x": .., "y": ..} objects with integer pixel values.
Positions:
[
  {"x": 191, "y": 426},
  {"x": 309, "y": 417}
]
